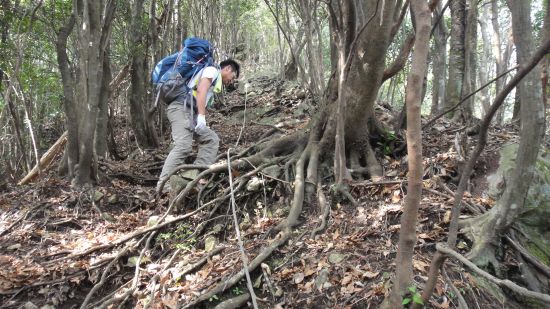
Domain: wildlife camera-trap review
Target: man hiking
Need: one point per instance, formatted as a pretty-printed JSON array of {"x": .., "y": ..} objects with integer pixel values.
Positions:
[{"x": 187, "y": 115}]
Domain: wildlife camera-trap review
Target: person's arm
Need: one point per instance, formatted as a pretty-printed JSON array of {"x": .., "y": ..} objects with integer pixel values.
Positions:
[{"x": 202, "y": 91}]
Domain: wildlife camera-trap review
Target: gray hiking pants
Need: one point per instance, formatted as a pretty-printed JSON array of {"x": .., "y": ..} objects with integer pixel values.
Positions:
[{"x": 183, "y": 126}]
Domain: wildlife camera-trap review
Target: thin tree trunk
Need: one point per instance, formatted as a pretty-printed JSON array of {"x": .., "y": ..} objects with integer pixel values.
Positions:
[
  {"x": 470, "y": 62},
  {"x": 485, "y": 60},
  {"x": 415, "y": 81},
  {"x": 137, "y": 97},
  {"x": 439, "y": 64},
  {"x": 70, "y": 159},
  {"x": 103, "y": 112},
  {"x": 545, "y": 63},
  {"x": 94, "y": 22},
  {"x": 455, "y": 78},
  {"x": 501, "y": 56}
]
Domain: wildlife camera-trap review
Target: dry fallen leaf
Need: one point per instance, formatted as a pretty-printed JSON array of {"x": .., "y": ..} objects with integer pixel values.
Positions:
[
  {"x": 347, "y": 279},
  {"x": 298, "y": 278},
  {"x": 420, "y": 265},
  {"x": 370, "y": 274}
]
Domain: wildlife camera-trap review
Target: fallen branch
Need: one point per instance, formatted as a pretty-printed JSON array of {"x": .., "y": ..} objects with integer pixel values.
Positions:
[
  {"x": 444, "y": 249},
  {"x": 235, "y": 302},
  {"x": 46, "y": 159}
]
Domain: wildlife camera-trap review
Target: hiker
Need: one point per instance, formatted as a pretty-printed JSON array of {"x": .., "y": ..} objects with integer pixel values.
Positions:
[{"x": 187, "y": 115}]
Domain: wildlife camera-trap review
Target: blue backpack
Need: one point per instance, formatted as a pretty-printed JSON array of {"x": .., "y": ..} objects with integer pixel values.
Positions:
[
  {"x": 172, "y": 73},
  {"x": 197, "y": 53}
]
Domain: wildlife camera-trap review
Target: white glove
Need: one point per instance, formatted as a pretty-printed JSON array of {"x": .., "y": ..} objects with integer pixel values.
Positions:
[{"x": 201, "y": 123}]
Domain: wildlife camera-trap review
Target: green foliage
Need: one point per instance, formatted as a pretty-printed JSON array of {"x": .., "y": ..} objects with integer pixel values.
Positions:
[
  {"x": 237, "y": 291},
  {"x": 214, "y": 298},
  {"x": 180, "y": 238},
  {"x": 412, "y": 296},
  {"x": 388, "y": 138}
]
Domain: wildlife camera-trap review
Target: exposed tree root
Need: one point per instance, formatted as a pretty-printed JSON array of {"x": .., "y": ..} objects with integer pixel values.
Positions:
[
  {"x": 443, "y": 248},
  {"x": 528, "y": 257},
  {"x": 325, "y": 208}
]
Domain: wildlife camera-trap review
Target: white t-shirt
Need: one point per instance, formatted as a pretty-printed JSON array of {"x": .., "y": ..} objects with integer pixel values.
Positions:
[{"x": 208, "y": 72}]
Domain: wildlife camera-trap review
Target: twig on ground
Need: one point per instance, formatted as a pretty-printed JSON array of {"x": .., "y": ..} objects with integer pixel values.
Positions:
[
  {"x": 461, "y": 302},
  {"x": 128, "y": 237},
  {"x": 473, "y": 209},
  {"x": 153, "y": 282},
  {"x": 444, "y": 249},
  {"x": 376, "y": 183},
  {"x": 266, "y": 271},
  {"x": 98, "y": 285},
  {"x": 238, "y": 232},
  {"x": 21, "y": 218},
  {"x": 135, "y": 280}
]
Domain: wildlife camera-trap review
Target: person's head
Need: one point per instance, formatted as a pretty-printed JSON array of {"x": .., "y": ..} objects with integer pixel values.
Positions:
[{"x": 230, "y": 71}]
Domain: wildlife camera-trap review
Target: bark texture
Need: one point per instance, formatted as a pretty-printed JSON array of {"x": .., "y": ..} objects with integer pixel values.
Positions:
[
  {"x": 415, "y": 81},
  {"x": 455, "y": 78},
  {"x": 143, "y": 129}
]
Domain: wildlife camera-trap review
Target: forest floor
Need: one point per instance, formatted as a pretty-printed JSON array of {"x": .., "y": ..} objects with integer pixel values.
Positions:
[{"x": 56, "y": 241}]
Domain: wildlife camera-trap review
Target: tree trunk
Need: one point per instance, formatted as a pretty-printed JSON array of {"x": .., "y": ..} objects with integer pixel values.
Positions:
[
  {"x": 415, "y": 81},
  {"x": 485, "y": 61},
  {"x": 510, "y": 204},
  {"x": 143, "y": 130},
  {"x": 92, "y": 40},
  {"x": 70, "y": 159},
  {"x": 545, "y": 63},
  {"x": 470, "y": 62},
  {"x": 455, "y": 78},
  {"x": 365, "y": 78},
  {"x": 103, "y": 112},
  {"x": 439, "y": 63},
  {"x": 502, "y": 57}
]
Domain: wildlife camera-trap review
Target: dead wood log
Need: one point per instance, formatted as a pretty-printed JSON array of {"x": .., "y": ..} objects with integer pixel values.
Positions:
[
  {"x": 46, "y": 159},
  {"x": 235, "y": 302}
]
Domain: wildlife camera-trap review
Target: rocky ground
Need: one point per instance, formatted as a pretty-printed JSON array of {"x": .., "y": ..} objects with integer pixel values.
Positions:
[{"x": 61, "y": 247}]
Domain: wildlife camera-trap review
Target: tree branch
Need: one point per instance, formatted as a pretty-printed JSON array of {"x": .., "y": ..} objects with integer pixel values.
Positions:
[{"x": 399, "y": 62}]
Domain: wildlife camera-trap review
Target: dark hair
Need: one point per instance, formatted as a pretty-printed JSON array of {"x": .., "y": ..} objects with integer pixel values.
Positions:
[{"x": 234, "y": 65}]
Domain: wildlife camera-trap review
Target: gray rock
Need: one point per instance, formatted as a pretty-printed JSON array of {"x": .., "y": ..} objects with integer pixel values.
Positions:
[
  {"x": 177, "y": 183},
  {"x": 29, "y": 305},
  {"x": 273, "y": 171},
  {"x": 321, "y": 278},
  {"x": 336, "y": 257}
]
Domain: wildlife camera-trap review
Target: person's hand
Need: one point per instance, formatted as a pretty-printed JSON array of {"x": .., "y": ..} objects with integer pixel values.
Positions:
[{"x": 201, "y": 123}]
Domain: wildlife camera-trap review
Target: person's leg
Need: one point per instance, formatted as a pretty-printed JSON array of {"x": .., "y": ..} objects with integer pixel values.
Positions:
[
  {"x": 208, "y": 142},
  {"x": 182, "y": 136}
]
